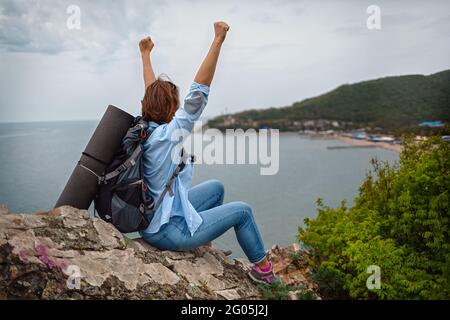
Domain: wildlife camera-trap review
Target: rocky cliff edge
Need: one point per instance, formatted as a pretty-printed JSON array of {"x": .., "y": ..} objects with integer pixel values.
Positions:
[{"x": 65, "y": 254}]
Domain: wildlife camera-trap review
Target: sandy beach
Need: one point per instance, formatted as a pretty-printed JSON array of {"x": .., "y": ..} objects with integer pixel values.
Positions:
[{"x": 355, "y": 142}]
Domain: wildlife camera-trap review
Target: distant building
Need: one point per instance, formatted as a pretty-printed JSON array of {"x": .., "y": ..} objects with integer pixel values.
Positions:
[
  {"x": 431, "y": 124},
  {"x": 309, "y": 123},
  {"x": 229, "y": 120}
]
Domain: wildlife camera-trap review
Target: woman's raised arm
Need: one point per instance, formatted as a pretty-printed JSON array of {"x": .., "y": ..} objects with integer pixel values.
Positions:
[
  {"x": 145, "y": 46},
  {"x": 205, "y": 73}
]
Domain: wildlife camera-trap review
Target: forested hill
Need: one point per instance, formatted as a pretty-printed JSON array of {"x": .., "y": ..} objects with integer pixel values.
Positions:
[{"x": 387, "y": 103}]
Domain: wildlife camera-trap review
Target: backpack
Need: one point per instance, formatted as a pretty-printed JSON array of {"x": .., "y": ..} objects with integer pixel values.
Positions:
[{"x": 122, "y": 198}]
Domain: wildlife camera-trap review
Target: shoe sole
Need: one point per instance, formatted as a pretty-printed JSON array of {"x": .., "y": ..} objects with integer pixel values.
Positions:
[
  {"x": 258, "y": 280},
  {"x": 227, "y": 253}
]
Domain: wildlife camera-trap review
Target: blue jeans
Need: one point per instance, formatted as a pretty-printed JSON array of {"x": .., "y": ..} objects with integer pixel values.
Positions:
[{"x": 207, "y": 199}]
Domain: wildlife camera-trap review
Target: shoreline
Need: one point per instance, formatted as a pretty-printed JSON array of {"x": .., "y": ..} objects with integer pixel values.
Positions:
[
  {"x": 350, "y": 141},
  {"x": 364, "y": 143},
  {"x": 340, "y": 137}
]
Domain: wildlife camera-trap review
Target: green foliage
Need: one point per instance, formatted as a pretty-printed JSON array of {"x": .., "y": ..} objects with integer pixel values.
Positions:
[
  {"x": 306, "y": 295},
  {"x": 295, "y": 257},
  {"x": 275, "y": 291},
  {"x": 330, "y": 281},
  {"x": 388, "y": 103},
  {"x": 399, "y": 222}
]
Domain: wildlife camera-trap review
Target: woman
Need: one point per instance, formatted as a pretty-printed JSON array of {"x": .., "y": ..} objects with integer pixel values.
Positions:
[{"x": 190, "y": 217}]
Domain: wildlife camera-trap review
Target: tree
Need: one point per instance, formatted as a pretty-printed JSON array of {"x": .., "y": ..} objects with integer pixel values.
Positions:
[{"x": 399, "y": 222}]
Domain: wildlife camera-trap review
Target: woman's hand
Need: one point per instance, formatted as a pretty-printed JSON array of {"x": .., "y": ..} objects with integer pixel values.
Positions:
[
  {"x": 220, "y": 29},
  {"x": 205, "y": 73},
  {"x": 146, "y": 45}
]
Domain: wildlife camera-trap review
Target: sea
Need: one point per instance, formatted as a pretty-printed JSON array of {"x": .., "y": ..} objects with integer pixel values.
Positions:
[{"x": 37, "y": 158}]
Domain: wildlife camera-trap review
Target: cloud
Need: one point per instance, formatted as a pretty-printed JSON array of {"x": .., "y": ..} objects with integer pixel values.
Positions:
[
  {"x": 277, "y": 52},
  {"x": 40, "y": 26},
  {"x": 440, "y": 25}
]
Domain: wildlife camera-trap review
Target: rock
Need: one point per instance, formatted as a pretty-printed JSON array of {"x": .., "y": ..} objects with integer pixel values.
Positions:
[
  {"x": 290, "y": 263},
  {"x": 65, "y": 254},
  {"x": 230, "y": 294},
  {"x": 293, "y": 295},
  {"x": 109, "y": 236},
  {"x": 161, "y": 274},
  {"x": 295, "y": 247},
  {"x": 209, "y": 264},
  {"x": 71, "y": 217},
  {"x": 198, "y": 274},
  {"x": 4, "y": 209},
  {"x": 141, "y": 246},
  {"x": 244, "y": 263},
  {"x": 172, "y": 255}
]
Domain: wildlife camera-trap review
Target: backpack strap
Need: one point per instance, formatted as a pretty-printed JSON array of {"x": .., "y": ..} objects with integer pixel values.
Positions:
[
  {"x": 168, "y": 187},
  {"x": 131, "y": 161}
]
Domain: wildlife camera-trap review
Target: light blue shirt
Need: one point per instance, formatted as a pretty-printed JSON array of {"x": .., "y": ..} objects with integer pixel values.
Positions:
[{"x": 159, "y": 166}]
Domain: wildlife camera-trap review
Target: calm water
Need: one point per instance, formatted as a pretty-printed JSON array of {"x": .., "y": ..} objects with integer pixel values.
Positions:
[{"x": 37, "y": 158}]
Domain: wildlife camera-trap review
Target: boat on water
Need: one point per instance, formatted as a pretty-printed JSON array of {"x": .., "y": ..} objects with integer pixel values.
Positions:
[
  {"x": 359, "y": 135},
  {"x": 389, "y": 139}
]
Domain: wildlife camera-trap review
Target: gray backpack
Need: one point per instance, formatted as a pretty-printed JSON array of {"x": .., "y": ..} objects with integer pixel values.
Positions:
[{"x": 122, "y": 199}]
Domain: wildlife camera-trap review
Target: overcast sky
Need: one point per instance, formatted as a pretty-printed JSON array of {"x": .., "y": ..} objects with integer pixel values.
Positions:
[{"x": 276, "y": 53}]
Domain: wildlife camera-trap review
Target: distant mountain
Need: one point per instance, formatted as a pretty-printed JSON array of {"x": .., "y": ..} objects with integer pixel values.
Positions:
[{"x": 387, "y": 103}]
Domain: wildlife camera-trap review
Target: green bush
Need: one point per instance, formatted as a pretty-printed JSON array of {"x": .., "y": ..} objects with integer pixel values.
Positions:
[
  {"x": 306, "y": 295},
  {"x": 276, "y": 291},
  {"x": 399, "y": 222}
]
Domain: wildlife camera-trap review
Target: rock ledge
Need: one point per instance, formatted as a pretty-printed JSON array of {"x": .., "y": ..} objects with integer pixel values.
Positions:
[{"x": 65, "y": 254}]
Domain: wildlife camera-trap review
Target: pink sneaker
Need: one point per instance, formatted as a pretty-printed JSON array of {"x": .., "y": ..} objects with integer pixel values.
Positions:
[{"x": 264, "y": 277}]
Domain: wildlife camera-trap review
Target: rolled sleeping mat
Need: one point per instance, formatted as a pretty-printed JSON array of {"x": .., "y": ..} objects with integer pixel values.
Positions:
[{"x": 82, "y": 185}]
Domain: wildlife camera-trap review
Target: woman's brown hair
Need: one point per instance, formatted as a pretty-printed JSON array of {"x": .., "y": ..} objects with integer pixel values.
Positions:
[{"x": 161, "y": 101}]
